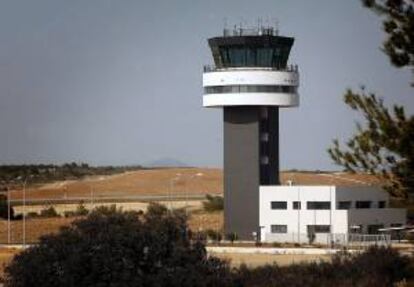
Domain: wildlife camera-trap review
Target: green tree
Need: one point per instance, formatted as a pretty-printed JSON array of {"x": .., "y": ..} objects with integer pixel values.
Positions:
[
  {"x": 114, "y": 248},
  {"x": 384, "y": 146},
  {"x": 398, "y": 24}
]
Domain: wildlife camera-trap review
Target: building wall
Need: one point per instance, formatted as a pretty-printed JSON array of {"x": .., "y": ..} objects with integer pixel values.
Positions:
[
  {"x": 363, "y": 193},
  {"x": 383, "y": 216},
  {"x": 298, "y": 220},
  {"x": 241, "y": 171},
  {"x": 339, "y": 220}
]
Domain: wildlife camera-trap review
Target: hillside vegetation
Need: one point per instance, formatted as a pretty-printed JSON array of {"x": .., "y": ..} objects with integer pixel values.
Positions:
[{"x": 45, "y": 173}]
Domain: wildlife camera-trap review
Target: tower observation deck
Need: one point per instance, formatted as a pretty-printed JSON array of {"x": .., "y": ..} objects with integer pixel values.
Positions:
[{"x": 250, "y": 80}]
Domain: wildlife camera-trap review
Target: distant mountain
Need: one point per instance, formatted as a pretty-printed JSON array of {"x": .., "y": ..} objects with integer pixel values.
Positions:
[{"x": 166, "y": 162}]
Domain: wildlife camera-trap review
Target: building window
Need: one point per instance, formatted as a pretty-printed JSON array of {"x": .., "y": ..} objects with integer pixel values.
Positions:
[
  {"x": 356, "y": 228},
  {"x": 296, "y": 205},
  {"x": 279, "y": 205},
  {"x": 344, "y": 204},
  {"x": 319, "y": 228},
  {"x": 396, "y": 225},
  {"x": 318, "y": 205},
  {"x": 264, "y": 113},
  {"x": 373, "y": 229},
  {"x": 381, "y": 204},
  {"x": 363, "y": 204},
  {"x": 264, "y": 160},
  {"x": 264, "y": 137},
  {"x": 278, "y": 228}
]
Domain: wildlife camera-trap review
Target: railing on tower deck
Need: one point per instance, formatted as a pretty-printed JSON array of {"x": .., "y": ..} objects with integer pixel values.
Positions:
[
  {"x": 255, "y": 31},
  {"x": 288, "y": 68}
]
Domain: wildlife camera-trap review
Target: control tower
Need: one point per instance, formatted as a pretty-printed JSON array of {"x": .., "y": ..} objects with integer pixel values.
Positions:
[{"x": 250, "y": 81}]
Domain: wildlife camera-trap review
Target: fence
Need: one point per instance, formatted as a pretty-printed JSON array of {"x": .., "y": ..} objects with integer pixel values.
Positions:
[{"x": 331, "y": 239}]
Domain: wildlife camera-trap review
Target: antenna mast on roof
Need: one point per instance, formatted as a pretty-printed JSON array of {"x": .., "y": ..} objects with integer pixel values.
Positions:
[{"x": 276, "y": 27}]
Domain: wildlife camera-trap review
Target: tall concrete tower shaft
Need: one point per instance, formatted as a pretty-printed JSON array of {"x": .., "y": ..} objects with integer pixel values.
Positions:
[{"x": 250, "y": 80}]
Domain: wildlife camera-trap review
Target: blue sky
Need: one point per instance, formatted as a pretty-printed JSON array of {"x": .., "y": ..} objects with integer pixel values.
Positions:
[{"x": 119, "y": 82}]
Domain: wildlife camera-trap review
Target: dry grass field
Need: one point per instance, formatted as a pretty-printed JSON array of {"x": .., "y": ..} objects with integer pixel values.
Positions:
[
  {"x": 171, "y": 180},
  {"x": 36, "y": 227},
  {"x": 142, "y": 182},
  {"x": 148, "y": 182},
  {"x": 177, "y": 181}
]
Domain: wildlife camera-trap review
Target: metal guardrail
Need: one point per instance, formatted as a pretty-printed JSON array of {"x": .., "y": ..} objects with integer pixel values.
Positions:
[
  {"x": 252, "y": 31},
  {"x": 106, "y": 199}
]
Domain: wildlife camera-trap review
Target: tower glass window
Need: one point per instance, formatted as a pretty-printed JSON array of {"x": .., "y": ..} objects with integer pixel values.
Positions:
[
  {"x": 296, "y": 205},
  {"x": 252, "y": 53}
]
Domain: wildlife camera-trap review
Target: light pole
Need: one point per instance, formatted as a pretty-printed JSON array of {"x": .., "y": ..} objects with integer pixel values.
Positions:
[
  {"x": 8, "y": 215},
  {"x": 91, "y": 190},
  {"x": 186, "y": 191},
  {"x": 24, "y": 212},
  {"x": 172, "y": 180}
]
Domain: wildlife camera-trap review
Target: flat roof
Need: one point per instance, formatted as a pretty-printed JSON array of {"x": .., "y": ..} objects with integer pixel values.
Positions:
[{"x": 328, "y": 178}]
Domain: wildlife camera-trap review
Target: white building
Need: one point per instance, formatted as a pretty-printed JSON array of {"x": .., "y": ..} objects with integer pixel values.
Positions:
[{"x": 290, "y": 213}]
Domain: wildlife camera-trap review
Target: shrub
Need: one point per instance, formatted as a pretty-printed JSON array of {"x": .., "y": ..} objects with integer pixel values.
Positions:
[
  {"x": 4, "y": 212},
  {"x": 49, "y": 212},
  {"x": 311, "y": 236},
  {"x": 378, "y": 267},
  {"x": 81, "y": 210},
  {"x": 232, "y": 236},
  {"x": 114, "y": 248},
  {"x": 69, "y": 213},
  {"x": 32, "y": 214},
  {"x": 213, "y": 203},
  {"x": 214, "y": 235}
]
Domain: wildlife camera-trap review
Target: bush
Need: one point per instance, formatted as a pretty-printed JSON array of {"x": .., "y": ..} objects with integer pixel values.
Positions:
[
  {"x": 32, "y": 214},
  {"x": 69, "y": 213},
  {"x": 277, "y": 244},
  {"x": 81, "y": 210},
  {"x": 4, "y": 212},
  {"x": 311, "y": 237},
  {"x": 49, "y": 212},
  {"x": 213, "y": 203},
  {"x": 232, "y": 236},
  {"x": 378, "y": 267},
  {"x": 214, "y": 235},
  {"x": 114, "y": 248}
]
